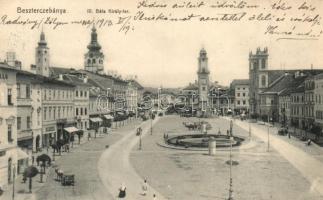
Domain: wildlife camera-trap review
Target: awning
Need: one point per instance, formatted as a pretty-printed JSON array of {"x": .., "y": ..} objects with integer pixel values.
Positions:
[
  {"x": 21, "y": 154},
  {"x": 120, "y": 113},
  {"x": 96, "y": 119},
  {"x": 71, "y": 129},
  {"x": 108, "y": 116}
]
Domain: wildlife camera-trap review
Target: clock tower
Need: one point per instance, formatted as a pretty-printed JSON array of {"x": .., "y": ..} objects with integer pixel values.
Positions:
[{"x": 203, "y": 80}]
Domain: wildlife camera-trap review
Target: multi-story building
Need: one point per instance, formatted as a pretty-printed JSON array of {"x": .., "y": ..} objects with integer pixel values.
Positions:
[
  {"x": 297, "y": 106},
  {"x": 241, "y": 95},
  {"x": 284, "y": 106},
  {"x": 58, "y": 110},
  {"x": 262, "y": 79},
  {"x": 81, "y": 94},
  {"x": 132, "y": 98},
  {"x": 29, "y": 109},
  {"x": 8, "y": 127},
  {"x": 309, "y": 101},
  {"x": 318, "y": 93}
]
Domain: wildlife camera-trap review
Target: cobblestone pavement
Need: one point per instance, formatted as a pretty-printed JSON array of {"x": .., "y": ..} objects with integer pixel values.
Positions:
[{"x": 180, "y": 174}]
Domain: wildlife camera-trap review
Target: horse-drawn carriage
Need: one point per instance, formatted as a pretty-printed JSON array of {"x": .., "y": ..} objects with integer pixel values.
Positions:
[{"x": 68, "y": 179}]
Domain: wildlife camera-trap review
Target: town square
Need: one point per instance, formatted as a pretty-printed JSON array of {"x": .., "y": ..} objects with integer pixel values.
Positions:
[{"x": 157, "y": 100}]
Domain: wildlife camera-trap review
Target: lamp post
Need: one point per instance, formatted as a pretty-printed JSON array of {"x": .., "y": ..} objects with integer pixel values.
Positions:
[
  {"x": 193, "y": 94},
  {"x": 151, "y": 123},
  {"x": 140, "y": 144},
  {"x": 158, "y": 96},
  {"x": 230, "y": 184},
  {"x": 218, "y": 100}
]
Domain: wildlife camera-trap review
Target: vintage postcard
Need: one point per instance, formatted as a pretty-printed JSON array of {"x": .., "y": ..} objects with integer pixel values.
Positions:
[{"x": 161, "y": 99}]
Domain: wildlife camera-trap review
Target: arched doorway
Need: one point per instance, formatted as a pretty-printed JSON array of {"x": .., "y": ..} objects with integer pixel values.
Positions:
[
  {"x": 37, "y": 142},
  {"x": 9, "y": 170}
]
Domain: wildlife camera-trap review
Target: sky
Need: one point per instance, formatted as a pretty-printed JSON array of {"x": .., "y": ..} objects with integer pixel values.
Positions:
[{"x": 159, "y": 53}]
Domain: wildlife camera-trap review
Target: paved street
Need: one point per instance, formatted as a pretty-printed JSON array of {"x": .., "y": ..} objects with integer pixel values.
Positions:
[
  {"x": 82, "y": 162},
  {"x": 180, "y": 174},
  {"x": 310, "y": 167},
  {"x": 287, "y": 171}
]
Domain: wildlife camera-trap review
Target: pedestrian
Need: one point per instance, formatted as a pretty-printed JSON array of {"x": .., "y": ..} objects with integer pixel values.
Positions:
[
  {"x": 154, "y": 197},
  {"x": 144, "y": 187},
  {"x": 122, "y": 191}
]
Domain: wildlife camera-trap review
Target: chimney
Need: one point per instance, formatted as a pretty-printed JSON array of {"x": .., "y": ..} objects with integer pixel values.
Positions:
[
  {"x": 18, "y": 64},
  {"x": 11, "y": 58},
  {"x": 60, "y": 77}
]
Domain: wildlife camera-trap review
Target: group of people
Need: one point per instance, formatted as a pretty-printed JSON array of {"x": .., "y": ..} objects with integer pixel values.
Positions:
[{"x": 144, "y": 187}]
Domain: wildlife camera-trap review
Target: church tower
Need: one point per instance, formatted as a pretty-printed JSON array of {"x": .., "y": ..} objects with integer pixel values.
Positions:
[
  {"x": 93, "y": 59},
  {"x": 42, "y": 56},
  {"x": 203, "y": 79},
  {"x": 258, "y": 77}
]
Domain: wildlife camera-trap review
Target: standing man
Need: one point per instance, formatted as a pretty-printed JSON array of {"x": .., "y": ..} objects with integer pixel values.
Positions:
[{"x": 144, "y": 187}]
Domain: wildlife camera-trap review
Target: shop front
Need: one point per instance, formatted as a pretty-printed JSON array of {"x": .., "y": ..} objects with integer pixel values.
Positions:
[
  {"x": 61, "y": 133},
  {"x": 48, "y": 137}
]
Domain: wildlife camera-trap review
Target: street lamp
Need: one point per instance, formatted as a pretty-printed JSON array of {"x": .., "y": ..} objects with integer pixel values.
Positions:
[
  {"x": 218, "y": 100},
  {"x": 158, "y": 96},
  {"x": 151, "y": 123},
  {"x": 230, "y": 188},
  {"x": 193, "y": 94},
  {"x": 140, "y": 143}
]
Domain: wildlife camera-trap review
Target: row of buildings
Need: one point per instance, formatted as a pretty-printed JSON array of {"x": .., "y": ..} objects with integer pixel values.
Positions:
[
  {"x": 47, "y": 103},
  {"x": 290, "y": 97}
]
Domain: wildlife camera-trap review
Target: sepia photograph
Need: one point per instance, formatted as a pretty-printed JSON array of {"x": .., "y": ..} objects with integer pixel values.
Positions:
[{"x": 161, "y": 100}]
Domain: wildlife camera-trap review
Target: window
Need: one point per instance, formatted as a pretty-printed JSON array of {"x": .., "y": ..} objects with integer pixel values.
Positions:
[
  {"x": 203, "y": 88},
  {"x": 76, "y": 93},
  {"x": 10, "y": 97},
  {"x": 85, "y": 111},
  {"x": 28, "y": 122},
  {"x": 81, "y": 93},
  {"x": 27, "y": 91},
  {"x": 244, "y": 102},
  {"x": 244, "y": 94},
  {"x": 238, "y": 102},
  {"x": 81, "y": 111},
  {"x": 18, "y": 90},
  {"x": 88, "y": 61},
  {"x": 77, "y": 111},
  {"x": 238, "y": 94},
  {"x": 263, "y": 81},
  {"x": 263, "y": 63},
  {"x": 59, "y": 112},
  {"x": 18, "y": 123},
  {"x": 93, "y": 61},
  {"x": 85, "y": 125},
  {"x": 50, "y": 113},
  {"x": 85, "y": 94},
  {"x": 10, "y": 133},
  {"x": 54, "y": 112}
]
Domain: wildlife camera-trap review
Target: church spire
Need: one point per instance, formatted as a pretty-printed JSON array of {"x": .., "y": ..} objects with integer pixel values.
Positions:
[
  {"x": 42, "y": 41},
  {"x": 94, "y": 45}
]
